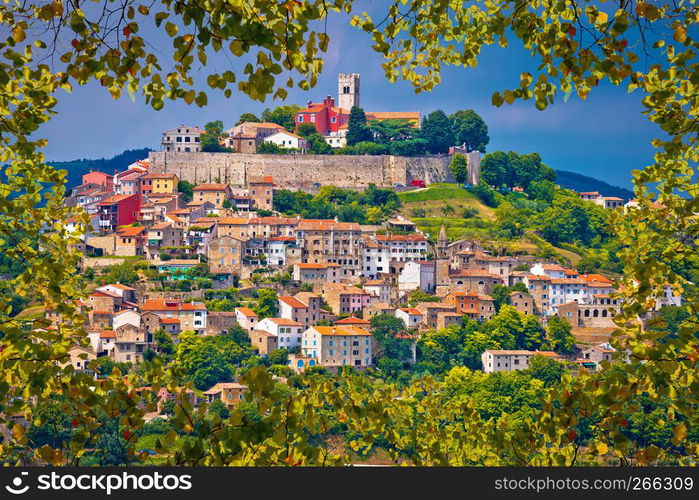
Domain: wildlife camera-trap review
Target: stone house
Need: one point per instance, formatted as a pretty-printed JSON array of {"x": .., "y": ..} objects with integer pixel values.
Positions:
[
  {"x": 226, "y": 252},
  {"x": 473, "y": 281},
  {"x": 130, "y": 344},
  {"x": 215, "y": 194},
  {"x": 335, "y": 346},
  {"x": 231, "y": 393},
  {"x": 522, "y": 301}
]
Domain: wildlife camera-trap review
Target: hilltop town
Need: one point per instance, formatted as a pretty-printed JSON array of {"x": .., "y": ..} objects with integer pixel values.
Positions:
[{"x": 327, "y": 275}]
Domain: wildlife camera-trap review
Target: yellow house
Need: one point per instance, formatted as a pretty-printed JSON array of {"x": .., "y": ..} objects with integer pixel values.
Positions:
[
  {"x": 335, "y": 346},
  {"x": 159, "y": 183}
]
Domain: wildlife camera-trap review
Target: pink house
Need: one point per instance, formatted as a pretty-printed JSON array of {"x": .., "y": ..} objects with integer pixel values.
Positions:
[{"x": 97, "y": 177}]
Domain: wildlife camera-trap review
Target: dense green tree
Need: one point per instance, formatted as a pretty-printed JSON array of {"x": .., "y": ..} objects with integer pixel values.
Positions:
[
  {"x": 282, "y": 115},
  {"x": 124, "y": 273},
  {"x": 470, "y": 130},
  {"x": 387, "y": 331},
  {"x": 411, "y": 147},
  {"x": 50, "y": 424},
  {"x": 485, "y": 193},
  {"x": 316, "y": 143},
  {"x": 164, "y": 343},
  {"x": 496, "y": 168},
  {"x": 394, "y": 130},
  {"x": 210, "y": 140},
  {"x": 357, "y": 128},
  {"x": 247, "y": 117},
  {"x": 187, "y": 190},
  {"x": 512, "y": 221},
  {"x": 266, "y": 306},
  {"x": 437, "y": 131},
  {"x": 670, "y": 319},
  {"x": 543, "y": 190},
  {"x": 277, "y": 357},
  {"x": 219, "y": 409},
  {"x": 559, "y": 335},
  {"x": 459, "y": 168},
  {"x": 549, "y": 371},
  {"x": 495, "y": 394},
  {"x": 270, "y": 148}
]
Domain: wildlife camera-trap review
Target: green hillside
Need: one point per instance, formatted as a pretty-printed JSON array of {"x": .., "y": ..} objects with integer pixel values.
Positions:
[{"x": 426, "y": 208}]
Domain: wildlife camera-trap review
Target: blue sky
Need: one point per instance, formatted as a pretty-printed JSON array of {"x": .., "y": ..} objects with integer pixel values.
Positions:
[{"x": 605, "y": 136}]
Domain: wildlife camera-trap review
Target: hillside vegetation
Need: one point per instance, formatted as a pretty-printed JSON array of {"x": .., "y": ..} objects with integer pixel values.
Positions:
[{"x": 466, "y": 216}]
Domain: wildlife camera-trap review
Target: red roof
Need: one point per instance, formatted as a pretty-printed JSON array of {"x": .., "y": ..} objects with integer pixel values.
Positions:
[{"x": 117, "y": 198}]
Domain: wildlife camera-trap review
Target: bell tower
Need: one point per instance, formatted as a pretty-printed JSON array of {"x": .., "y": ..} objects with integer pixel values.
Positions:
[
  {"x": 442, "y": 258},
  {"x": 347, "y": 90}
]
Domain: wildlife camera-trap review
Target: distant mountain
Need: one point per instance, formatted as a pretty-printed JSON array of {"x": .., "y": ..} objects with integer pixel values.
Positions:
[
  {"x": 583, "y": 183},
  {"x": 76, "y": 168}
]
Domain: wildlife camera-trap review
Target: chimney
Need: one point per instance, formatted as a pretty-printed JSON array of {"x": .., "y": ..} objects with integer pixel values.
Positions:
[{"x": 309, "y": 103}]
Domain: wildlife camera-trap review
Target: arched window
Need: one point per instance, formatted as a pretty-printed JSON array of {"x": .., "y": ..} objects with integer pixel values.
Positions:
[
  {"x": 595, "y": 313},
  {"x": 587, "y": 313},
  {"x": 604, "y": 313}
]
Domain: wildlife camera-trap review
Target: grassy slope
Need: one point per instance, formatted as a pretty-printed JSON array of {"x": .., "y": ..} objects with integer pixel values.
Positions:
[{"x": 436, "y": 196}]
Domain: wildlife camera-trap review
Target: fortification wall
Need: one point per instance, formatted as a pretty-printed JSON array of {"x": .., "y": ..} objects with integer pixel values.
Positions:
[{"x": 302, "y": 171}]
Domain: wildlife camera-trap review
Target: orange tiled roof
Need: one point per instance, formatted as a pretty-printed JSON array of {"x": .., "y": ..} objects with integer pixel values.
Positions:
[
  {"x": 246, "y": 311},
  {"x": 309, "y": 265},
  {"x": 341, "y": 330},
  {"x": 411, "y": 310},
  {"x": 293, "y": 302},
  {"x": 285, "y": 322},
  {"x": 352, "y": 321},
  {"x": 130, "y": 231},
  {"x": 211, "y": 187},
  {"x": 171, "y": 305}
]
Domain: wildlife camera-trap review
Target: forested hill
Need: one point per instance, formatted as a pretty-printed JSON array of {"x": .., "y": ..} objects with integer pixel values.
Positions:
[
  {"x": 583, "y": 183},
  {"x": 76, "y": 168}
]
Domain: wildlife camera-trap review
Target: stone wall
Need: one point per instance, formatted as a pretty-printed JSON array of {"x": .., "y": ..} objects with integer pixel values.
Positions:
[{"x": 302, "y": 171}]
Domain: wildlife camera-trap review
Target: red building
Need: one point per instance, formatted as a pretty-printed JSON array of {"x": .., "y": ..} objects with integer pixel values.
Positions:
[
  {"x": 100, "y": 178},
  {"x": 118, "y": 210},
  {"x": 327, "y": 117}
]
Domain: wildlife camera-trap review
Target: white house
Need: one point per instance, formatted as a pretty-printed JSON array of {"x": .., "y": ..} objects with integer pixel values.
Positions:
[
  {"x": 380, "y": 250},
  {"x": 495, "y": 360},
  {"x": 126, "y": 317},
  {"x": 410, "y": 316},
  {"x": 277, "y": 249},
  {"x": 419, "y": 274},
  {"x": 287, "y": 331},
  {"x": 379, "y": 289},
  {"x": 287, "y": 140},
  {"x": 551, "y": 270},
  {"x": 183, "y": 139},
  {"x": 246, "y": 318}
]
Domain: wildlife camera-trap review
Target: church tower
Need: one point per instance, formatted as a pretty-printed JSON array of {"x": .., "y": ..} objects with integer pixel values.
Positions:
[
  {"x": 442, "y": 257},
  {"x": 347, "y": 90}
]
